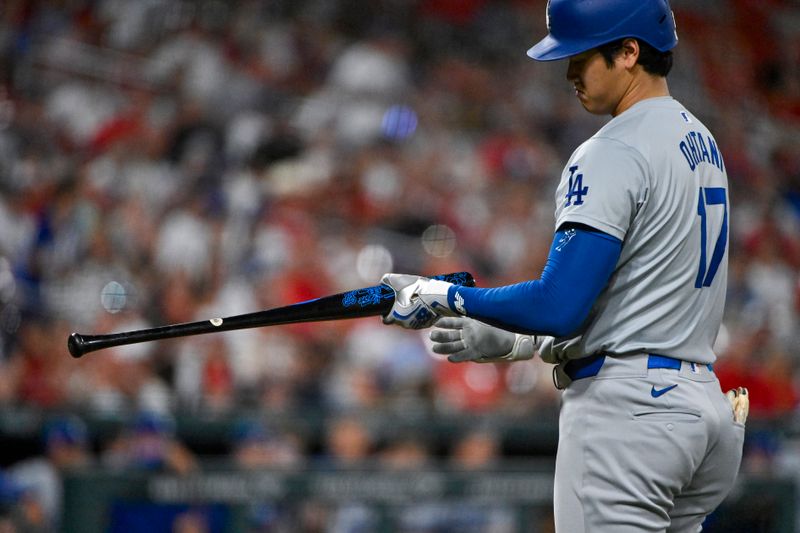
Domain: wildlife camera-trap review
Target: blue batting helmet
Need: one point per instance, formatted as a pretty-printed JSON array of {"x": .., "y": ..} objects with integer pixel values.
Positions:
[{"x": 575, "y": 26}]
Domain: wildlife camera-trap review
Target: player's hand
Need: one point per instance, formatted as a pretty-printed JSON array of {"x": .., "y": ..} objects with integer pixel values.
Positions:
[
  {"x": 466, "y": 339},
  {"x": 740, "y": 403},
  {"x": 418, "y": 301}
]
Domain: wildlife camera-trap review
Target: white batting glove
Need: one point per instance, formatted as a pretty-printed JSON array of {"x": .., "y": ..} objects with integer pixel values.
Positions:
[
  {"x": 467, "y": 339},
  {"x": 418, "y": 301},
  {"x": 740, "y": 403}
]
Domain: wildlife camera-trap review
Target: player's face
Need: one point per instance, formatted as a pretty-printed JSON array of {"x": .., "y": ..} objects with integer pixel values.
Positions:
[{"x": 598, "y": 87}]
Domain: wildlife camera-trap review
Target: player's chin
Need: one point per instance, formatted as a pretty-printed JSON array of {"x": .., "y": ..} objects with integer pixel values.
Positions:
[
  {"x": 592, "y": 106},
  {"x": 584, "y": 100}
]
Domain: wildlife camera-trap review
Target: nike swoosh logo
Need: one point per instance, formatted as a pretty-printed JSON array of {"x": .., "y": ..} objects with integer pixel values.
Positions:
[{"x": 655, "y": 393}]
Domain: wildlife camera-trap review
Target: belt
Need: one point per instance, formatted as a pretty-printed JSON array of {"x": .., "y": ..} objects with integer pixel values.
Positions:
[{"x": 586, "y": 367}]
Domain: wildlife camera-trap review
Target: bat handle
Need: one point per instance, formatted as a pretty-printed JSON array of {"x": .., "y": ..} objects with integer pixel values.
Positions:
[{"x": 77, "y": 345}]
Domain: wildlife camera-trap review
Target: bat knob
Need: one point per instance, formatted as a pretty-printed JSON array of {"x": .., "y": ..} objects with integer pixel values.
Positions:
[{"x": 76, "y": 345}]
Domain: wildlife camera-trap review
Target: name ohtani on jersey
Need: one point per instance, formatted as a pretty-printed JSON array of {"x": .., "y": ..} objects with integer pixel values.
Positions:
[{"x": 698, "y": 148}]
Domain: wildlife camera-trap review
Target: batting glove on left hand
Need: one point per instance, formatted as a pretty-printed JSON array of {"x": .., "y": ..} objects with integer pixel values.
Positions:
[
  {"x": 467, "y": 339},
  {"x": 418, "y": 301}
]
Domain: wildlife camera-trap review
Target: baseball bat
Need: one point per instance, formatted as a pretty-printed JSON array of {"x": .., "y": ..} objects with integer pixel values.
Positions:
[{"x": 368, "y": 301}]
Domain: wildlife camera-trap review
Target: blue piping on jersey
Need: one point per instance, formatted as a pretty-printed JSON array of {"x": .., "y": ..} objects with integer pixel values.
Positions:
[{"x": 579, "y": 265}]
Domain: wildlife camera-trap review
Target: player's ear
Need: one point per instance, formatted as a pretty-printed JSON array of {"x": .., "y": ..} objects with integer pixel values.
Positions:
[{"x": 629, "y": 53}]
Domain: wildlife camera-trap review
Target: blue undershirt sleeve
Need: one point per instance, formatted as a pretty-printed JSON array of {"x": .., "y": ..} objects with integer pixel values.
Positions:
[{"x": 578, "y": 267}]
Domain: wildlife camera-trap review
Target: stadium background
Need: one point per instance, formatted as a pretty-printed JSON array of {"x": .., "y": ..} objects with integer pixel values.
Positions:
[{"x": 165, "y": 161}]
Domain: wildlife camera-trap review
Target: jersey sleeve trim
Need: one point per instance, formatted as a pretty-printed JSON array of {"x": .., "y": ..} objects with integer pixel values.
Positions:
[{"x": 600, "y": 225}]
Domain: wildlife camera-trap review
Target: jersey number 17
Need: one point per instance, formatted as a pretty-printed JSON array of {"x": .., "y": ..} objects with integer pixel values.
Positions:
[{"x": 708, "y": 197}]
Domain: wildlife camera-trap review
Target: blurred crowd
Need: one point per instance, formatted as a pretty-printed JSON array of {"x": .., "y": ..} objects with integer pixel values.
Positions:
[{"x": 166, "y": 161}]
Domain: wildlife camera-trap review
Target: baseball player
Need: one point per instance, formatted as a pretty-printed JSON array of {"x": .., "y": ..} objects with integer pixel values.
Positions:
[{"x": 631, "y": 298}]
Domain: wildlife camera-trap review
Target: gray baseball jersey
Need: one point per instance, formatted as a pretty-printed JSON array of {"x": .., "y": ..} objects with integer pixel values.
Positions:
[{"x": 653, "y": 177}]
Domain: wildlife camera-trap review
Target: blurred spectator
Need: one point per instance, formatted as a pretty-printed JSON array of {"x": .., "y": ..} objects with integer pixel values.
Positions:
[
  {"x": 774, "y": 260},
  {"x": 255, "y": 445},
  {"x": 204, "y": 380},
  {"x": 405, "y": 452},
  {"x": 40, "y": 373},
  {"x": 19, "y": 509},
  {"x": 66, "y": 446},
  {"x": 785, "y": 161},
  {"x": 476, "y": 449},
  {"x": 149, "y": 442},
  {"x": 348, "y": 442}
]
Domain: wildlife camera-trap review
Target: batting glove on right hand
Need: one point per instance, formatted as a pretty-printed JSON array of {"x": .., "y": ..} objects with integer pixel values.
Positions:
[
  {"x": 418, "y": 301},
  {"x": 467, "y": 339}
]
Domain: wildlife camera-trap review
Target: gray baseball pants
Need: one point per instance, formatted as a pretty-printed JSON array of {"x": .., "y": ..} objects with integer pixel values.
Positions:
[{"x": 637, "y": 456}]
